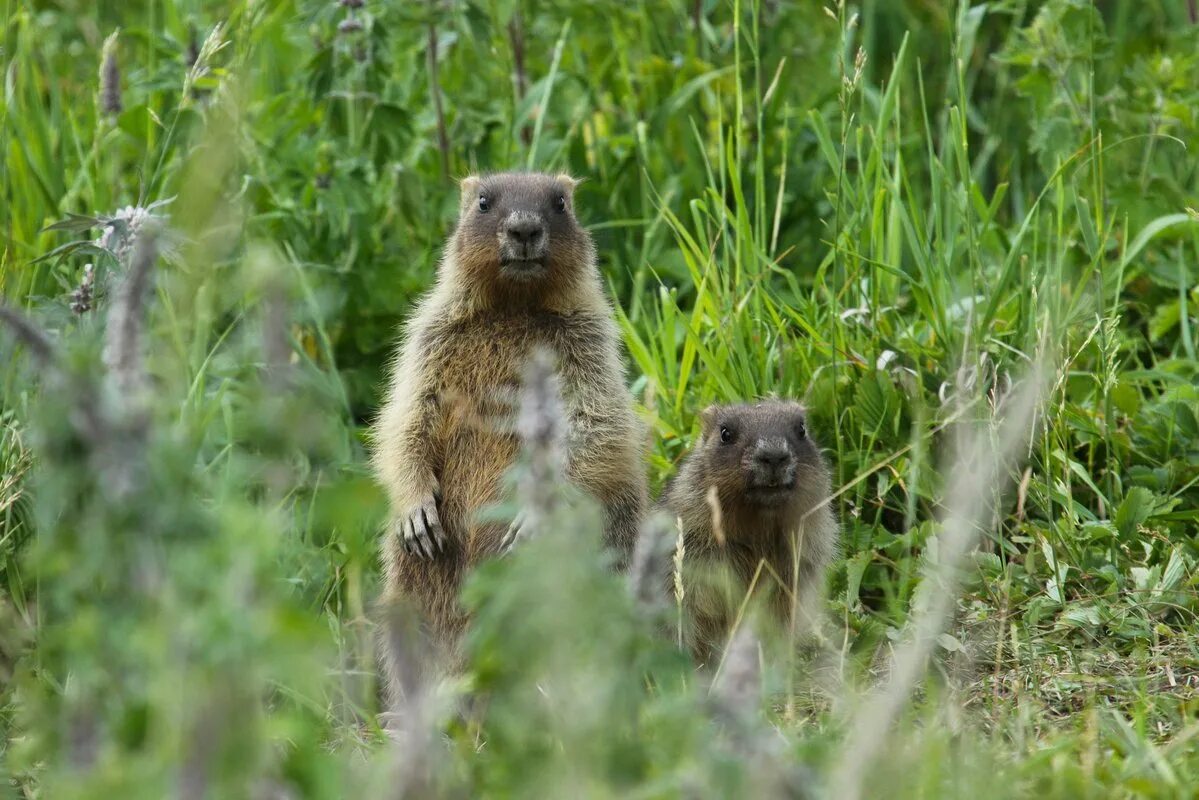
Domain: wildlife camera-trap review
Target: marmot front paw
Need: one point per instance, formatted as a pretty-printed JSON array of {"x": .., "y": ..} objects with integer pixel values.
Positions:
[{"x": 420, "y": 530}]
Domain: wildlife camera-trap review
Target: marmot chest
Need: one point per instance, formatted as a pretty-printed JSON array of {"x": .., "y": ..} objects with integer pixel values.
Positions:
[{"x": 479, "y": 363}]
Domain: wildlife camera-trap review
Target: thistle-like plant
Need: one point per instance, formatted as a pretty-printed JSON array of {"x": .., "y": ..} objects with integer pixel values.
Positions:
[{"x": 118, "y": 232}]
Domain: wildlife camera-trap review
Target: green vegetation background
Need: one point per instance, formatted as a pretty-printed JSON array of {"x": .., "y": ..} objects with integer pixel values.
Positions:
[{"x": 889, "y": 209}]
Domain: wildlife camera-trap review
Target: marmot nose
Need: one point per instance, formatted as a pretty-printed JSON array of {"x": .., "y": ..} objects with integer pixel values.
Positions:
[
  {"x": 772, "y": 456},
  {"x": 525, "y": 229}
]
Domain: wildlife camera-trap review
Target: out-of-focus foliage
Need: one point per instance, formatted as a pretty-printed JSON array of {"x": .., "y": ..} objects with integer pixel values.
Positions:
[{"x": 889, "y": 209}]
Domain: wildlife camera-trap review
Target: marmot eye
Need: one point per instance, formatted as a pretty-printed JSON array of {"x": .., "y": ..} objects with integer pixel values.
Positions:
[
  {"x": 726, "y": 435},
  {"x": 560, "y": 204},
  {"x": 484, "y": 204}
]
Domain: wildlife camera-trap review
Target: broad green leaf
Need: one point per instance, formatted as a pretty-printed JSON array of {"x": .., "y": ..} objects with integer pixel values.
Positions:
[{"x": 1136, "y": 507}]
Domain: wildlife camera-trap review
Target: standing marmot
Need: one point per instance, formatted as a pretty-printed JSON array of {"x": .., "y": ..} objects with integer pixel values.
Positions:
[
  {"x": 518, "y": 273},
  {"x": 760, "y": 468}
]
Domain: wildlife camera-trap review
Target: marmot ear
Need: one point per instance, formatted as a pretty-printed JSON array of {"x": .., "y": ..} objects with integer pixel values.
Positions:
[
  {"x": 707, "y": 418},
  {"x": 469, "y": 187},
  {"x": 567, "y": 181}
]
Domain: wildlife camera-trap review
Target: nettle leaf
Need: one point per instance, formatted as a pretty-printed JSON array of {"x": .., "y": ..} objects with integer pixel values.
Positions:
[
  {"x": 1174, "y": 572},
  {"x": 70, "y": 248},
  {"x": 1152, "y": 477},
  {"x": 1127, "y": 399},
  {"x": 1038, "y": 608},
  {"x": 1138, "y": 505},
  {"x": 949, "y": 643},
  {"x": 75, "y": 222},
  {"x": 1099, "y": 531},
  {"x": 988, "y": 563},
  {"x": 1129, "y": 626},
  {"x": 1143, "y": 578},
  {"x": 1080, "y": 617},
  {"x": 1081, "y": 473},
  {"x": 1185, "y": 419},
  {"x": 1165, "y": 319},
  {"x": 1049, "y": 554},
  {"x": 876, "y": 403},
  {"x": 855, "y": 568}
]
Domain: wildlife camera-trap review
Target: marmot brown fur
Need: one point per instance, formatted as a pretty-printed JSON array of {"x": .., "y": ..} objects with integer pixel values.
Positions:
[
  {"x": 518, "y": 274},
  {"x": 752, "y": 499}
]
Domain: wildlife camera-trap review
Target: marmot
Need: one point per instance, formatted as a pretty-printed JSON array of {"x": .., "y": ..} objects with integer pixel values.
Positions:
[
  {"x": 753, "y": 492},
  {"x": 518, "y": 274}
]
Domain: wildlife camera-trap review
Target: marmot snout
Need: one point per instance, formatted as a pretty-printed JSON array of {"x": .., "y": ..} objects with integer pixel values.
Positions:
[
  {"x": 756, "y": 454},
  {"x": 518, "y": 230}
]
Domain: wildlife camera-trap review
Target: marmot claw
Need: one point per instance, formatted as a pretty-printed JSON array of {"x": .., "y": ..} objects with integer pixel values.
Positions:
[
  {"x": 515, "y": 533},
  {"x": 420, "y": 531}
]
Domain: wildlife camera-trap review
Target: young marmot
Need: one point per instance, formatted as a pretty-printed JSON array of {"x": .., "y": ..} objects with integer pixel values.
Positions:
[
  {"x": 518, "y": 274},
  {"x": 752, "y": 500}
]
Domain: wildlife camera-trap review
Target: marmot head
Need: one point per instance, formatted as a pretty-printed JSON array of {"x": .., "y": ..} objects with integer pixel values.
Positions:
[
  {"x": 761, "y": 455},
  {"x": 517, "y": 233}
]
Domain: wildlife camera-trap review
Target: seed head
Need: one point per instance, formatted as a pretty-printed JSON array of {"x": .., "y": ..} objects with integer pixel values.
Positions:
[
  {"x": 680, "y": 553},
  {"x": 81, "y": 298},
  {"x": 680, "y": 592},
  {"x": 201, "y": 64},
  {"x": 110, "y": 78}
]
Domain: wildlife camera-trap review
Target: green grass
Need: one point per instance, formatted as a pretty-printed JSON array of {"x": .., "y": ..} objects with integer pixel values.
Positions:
[{"x": 896, "y": 211}]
